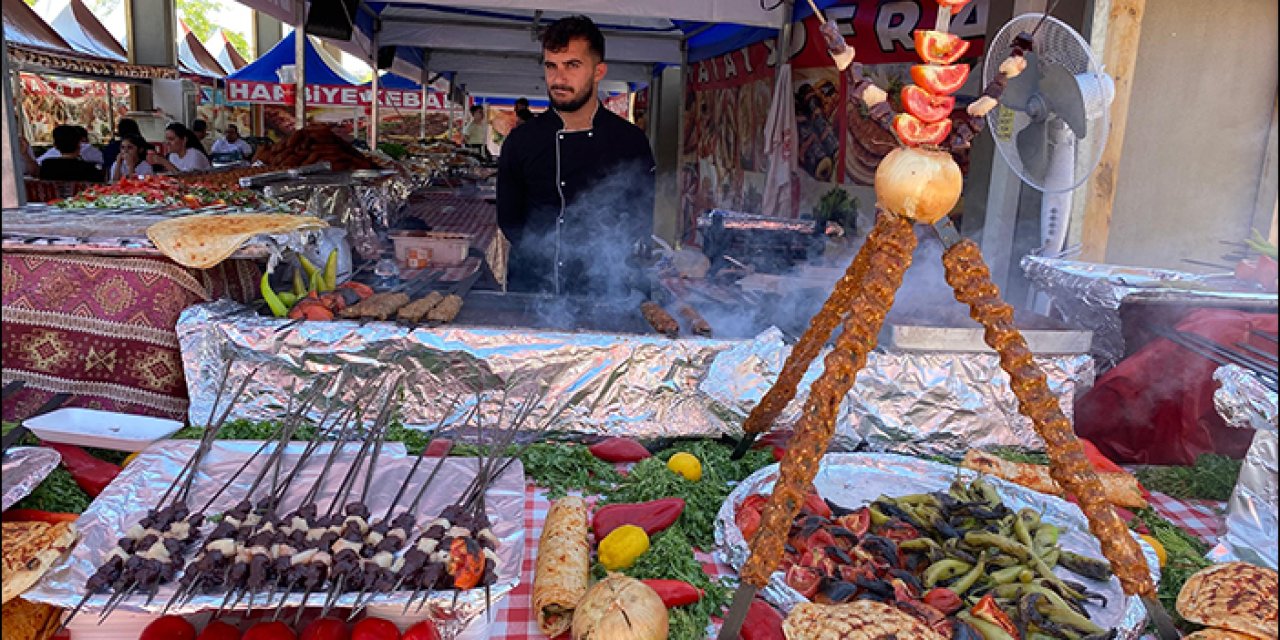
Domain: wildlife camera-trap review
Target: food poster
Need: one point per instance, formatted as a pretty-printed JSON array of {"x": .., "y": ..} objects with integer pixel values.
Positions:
[
  {"x": 620, "y": 104},
  {"x": 640, "y": 109},
  {"x": 218, "y": 112},
  {"x": 50, "y": 101}
]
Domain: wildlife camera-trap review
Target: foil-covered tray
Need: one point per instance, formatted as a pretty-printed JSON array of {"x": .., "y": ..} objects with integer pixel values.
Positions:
[
  {"x": 854, "y": 479},
  {"x": 970, "y": 339},
  {"x": 140, "y": 485},
  {"x": 24, "y": 469}
]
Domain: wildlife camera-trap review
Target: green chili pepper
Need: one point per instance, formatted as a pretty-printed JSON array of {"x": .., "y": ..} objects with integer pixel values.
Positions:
[
  {"x": 1020, "y": 530},
  {"x": 989, "y": 631},
  {"x": 963, "y": 584},
  {"x": 330, "y": 272},
  {"x": 316, "y": 282},
  {"x": 1059, "y": 611},
  {"x": 311, "y": 269},
  {"x": 299, "y": 287},
  {"x": 287, "y": 298},
  {"x": 278, "y": 309},
  {"x": 877, "y": 518},
  {"x": 1046, "y": 536},
  {"x": 945, "y": 570},
  {"x": 1007, "y": 575}
]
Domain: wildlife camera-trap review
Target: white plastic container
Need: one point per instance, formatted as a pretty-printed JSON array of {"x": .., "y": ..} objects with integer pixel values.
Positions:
[{"x": 102, "y": 429}]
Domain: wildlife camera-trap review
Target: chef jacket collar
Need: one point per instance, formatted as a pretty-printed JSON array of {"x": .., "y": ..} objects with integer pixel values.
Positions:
[{"x": 594, "y": 115}]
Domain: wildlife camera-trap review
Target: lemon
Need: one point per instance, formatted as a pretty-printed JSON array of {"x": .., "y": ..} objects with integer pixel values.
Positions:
[
  {"x": 687, "y": 465},
  {"x": 1161, "y": 554}
]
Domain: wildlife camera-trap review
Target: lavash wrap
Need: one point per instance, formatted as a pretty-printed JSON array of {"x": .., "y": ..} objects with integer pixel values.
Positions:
[
  {"x": 203, "y": 241},
  {"x": 564, "y": 564}
]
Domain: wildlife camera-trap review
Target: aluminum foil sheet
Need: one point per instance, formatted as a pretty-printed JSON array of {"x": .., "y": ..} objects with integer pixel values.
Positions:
[
  {"x": 940, "y": 403},
  {"x": 141, "y": 484},
  {"x": 1089, "y": 295},
  {"x": 24, "y": 469},
  {"x": 855, "y": 479},
  {"x": 637, "y": 385},
  {"x": 1252, "y": 519}
]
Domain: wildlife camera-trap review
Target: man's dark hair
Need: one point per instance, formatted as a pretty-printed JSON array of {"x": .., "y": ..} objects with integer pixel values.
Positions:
[
  {"x": 127, "y": 127},
  {"x": 84, "y": 133},
  {"x": 522, "y": 103},
  {"x": 199, "y": 125},
  {"x": 558, "y": 35},
  {"x": 476, "y": 108},
  {"x": 66, "y": 138},
  {"x": 234, "y": 126}
]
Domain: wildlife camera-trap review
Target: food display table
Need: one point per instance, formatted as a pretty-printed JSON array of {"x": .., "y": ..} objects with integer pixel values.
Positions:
[{"x": 450, "y": 212}]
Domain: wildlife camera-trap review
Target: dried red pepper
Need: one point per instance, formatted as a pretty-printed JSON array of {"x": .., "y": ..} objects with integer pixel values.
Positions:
[
  {"x": 651, "y": 516},
  {"x": 619, "y": 450},
  {"x": 466, "y": 563},
  {"x": 36, "y": 515},
  {"x": 763, "y": 622},
  {"x": 93, "y": 475},
  {"x": 675, "y": 593}
]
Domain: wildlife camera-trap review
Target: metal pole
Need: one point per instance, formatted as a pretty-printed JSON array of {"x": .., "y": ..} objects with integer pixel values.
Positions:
[
  {"x": 422, "y": 123},
  {"x": 111, "y": 108},
  {"x": 13, "y": 193},
  {"x": 374, "y": 99},
  {"x": 300, "y": 63}
]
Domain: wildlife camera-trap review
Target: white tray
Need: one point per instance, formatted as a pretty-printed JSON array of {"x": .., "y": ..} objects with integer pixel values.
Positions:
[{"x": 102, "y": 429}]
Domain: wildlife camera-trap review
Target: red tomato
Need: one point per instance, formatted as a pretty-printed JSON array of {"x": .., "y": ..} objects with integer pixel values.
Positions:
[
  {"x": 169, "y": 628},
  {"x": 925, "y": 106},
  {"x": 913, "y": 132},
  {"x": 953, "y": 5},
  {"x": 858, "y": 521},
  {"x": 943, "y": 599},
  {"x": 375, "y": 629},
  {"x": 988, "y": 610},
  {"x": 940, "y": 80},
  {"x": 748, "y": 521},
  {"x": 326, "y": 629},
  {"x": 804, "y": 580},
  {"x": 438, "y": 447},
  {"x": 897, "y": 531},
  {"x": 819, "y": 540},
  {"x": 425, "y": 630},
  {"x": 755, "y": 501},
  {"x": 938, "y": 47},
  {"x": 814, "y": 504},
  {"x": 270, "y": 631},
  {"x": 219, "y": 630}
]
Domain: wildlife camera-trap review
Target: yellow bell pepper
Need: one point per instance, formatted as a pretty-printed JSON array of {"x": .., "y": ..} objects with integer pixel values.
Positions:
[
  {"x": 687, "y": 465},
  {"x": 621, "y": 548}
]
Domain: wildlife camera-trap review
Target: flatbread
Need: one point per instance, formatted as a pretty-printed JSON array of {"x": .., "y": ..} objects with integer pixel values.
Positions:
[
  {"x": 25, "y": 620},
  {"x": 203, "y": 241},
  {"x": 857, "y": 620},
  {"x": 1236, "y": 596},
  {"x": 564, "y": 565},
  {"x": 1121, "y": 489},
  {"x": 30, "y": 549},
  {"x": 1219, "y": 634}
]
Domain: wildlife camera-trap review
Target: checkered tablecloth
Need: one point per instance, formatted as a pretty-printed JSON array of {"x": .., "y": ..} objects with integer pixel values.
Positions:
[{"x": 514, "y": 619}]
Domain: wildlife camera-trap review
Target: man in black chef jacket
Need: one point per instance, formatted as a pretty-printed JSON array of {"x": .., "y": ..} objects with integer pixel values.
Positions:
[{"x": 575, "y": 183}]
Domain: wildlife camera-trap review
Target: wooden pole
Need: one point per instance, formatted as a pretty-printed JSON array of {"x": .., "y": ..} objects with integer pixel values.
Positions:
[
  {"x": 1119, "y": 58},
  {"x": 300, "y": 63}
]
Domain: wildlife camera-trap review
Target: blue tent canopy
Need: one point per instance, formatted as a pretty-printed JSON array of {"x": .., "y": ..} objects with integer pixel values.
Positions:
[{"x": 318, "y": 70}]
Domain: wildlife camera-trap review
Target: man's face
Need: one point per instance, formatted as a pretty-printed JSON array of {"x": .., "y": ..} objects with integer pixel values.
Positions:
[
  {"x": 233, "y": 134},
  {"x": 572, "y": 75}
]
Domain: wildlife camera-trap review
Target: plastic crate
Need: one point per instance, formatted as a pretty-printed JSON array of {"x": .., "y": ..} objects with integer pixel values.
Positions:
[{"x": 434, "y": 248}]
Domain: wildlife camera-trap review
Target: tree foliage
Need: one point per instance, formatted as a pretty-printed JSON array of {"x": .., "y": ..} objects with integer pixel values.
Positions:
[{"x": 199, "y": 16}]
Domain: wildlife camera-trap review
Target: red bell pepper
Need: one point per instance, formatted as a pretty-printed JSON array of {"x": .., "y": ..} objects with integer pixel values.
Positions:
[
  {"x": 763, "y": 622},
  {"x": 619, "y": 450},
  {"x": 439, "y": 447},
  {"x": 675, "y": 593},
  {"x": 36, "y": 515},
  {"x": 93, "y": 475},
  {"x": 651, "y": 516}
]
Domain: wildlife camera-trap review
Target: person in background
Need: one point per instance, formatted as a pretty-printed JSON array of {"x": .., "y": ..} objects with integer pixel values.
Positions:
[
  {"x": 474, "y": 135},
  {"x": 88, "y": 152},
  {"x": 130, "y": 161},
  {"x": 184, "y": 154},
  {"x": 29, "y": 165},
  {"x": 127, "y": 127},
  {"x": 68, "y": 165},
  {"x": 200, "y": 129},
  {"x": 232, "y": 143},
  {"x": 523, "y": 114}
]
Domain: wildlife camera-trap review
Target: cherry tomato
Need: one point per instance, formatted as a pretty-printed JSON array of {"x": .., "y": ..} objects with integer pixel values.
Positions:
[
  {"x": 276, "y": 630},
  {"x": 937, "y": 47},
  {"x": 169, "y": 628},
  {"x": 748, "y": 521},
  {"x": 375, "y": 629},
  {"x": 425, "y": 630},
  {"x": 219, "y": 630},
  {"x": 804, "y": 580},
  {"x": 326, "y": 629},
  {"x": 943, "y": 599},
  {"x": 988, "y": 610},
  {"x": 858, "y": 521},
  {"x": 913, "y": 132},
  {"x": 939, "y": 80},
  {"x": 926, "y": 107}
]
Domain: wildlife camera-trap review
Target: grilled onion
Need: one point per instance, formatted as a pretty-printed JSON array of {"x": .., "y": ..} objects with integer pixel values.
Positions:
[{"x": 920, "y": 184}]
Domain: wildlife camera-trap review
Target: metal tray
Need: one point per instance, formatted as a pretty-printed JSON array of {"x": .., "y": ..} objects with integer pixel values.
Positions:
[
  {"x": 969, "y": 339},
  {"x": 24, "y": 469}
]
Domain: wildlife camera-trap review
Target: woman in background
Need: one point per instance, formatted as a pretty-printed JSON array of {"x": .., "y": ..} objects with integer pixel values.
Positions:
[
  {"x": 129, "y": 162},
  {"x": 183, "y": 155}
]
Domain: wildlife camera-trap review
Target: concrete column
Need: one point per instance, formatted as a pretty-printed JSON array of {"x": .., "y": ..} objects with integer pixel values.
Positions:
[
  {"x": 666, "y": 119},
  {"x": 12, "y": 191},
  {"x": 151, "y": 38},
  {"x": 267, "y": 31}
]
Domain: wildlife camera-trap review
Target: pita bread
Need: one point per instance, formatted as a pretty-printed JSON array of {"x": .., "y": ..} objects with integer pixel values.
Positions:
[
  {"x": 1236, "y": 596},
  {"x": 30, "y": 549},
  {"x": 857, "y": 620},
  {"x": 29, "y": 620},
  {"x": 563, "y": 567},
  {"x": 203, "y": 241},
  {"x": 1121, "y": 489},
  {"x": 1219, "y": 634}
]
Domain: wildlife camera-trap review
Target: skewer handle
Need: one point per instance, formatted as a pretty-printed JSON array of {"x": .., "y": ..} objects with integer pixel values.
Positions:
[
  {"x": 821, "y": 18},
  {"x": 944, "y": 19}
]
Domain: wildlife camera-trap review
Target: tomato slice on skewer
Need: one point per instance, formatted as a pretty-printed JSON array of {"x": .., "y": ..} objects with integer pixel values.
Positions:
[
  {"x": 938, "y": 47},
  {"x": 953, "y": 5},
  {"x": 925, "y": 106},
  {"x": 941, "y": 80},
  {"x": 914, "y": 132}
]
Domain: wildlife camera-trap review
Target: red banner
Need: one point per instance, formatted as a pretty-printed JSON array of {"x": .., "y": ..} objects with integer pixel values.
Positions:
[
  {"x": 333, "y": 96},
  {"x": 735, "y": 68}
]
